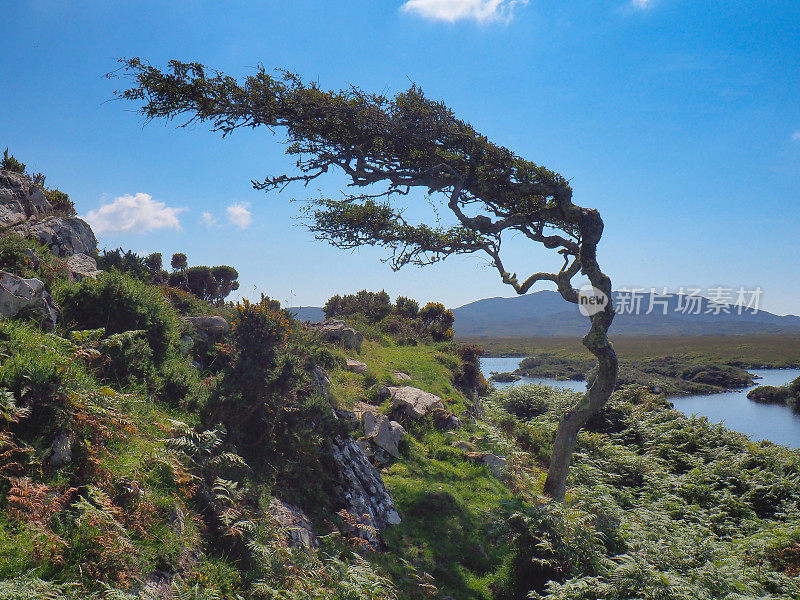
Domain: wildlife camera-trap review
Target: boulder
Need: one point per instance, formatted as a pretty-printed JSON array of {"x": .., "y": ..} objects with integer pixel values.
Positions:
[
  {"x": 212, "y": 325},
  {"x": 497, "y": 464},
  {"x": 19, "y": 294},
  {"x": 20, "y": 199},
  {"x": 64, "y": 236},
  {"x": 465, "y": 446},
  {"x": 339, "y": 332},
  {"x": 81, "y": 266},
  {"x": 414, "y": 402},
  {"x": 61, "y": 449},
  {"x": 400, "y": 376},
  {"x": 382, "y": 432},
  {"x": 299, "y": 528},
  {"x": 356, "y": 366}
]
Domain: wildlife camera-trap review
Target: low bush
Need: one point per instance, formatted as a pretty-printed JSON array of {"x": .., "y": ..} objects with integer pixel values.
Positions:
[{"x": 119, "y": 303}]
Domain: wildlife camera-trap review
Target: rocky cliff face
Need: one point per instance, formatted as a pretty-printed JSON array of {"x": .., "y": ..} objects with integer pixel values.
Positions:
[{"x": 24, "y": 209}]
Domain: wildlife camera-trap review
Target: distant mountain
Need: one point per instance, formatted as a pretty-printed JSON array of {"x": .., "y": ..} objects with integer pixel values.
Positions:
[
  {"x": 546, "y": 314},
  {"x": 307, "y": 313}
]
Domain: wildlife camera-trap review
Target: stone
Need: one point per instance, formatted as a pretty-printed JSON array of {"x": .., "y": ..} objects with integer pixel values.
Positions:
[
  {"x": 299, "y": 528},
  {"x": 413, "y": 402},
  {"x": 445, "y": 420},
  {"x": 356, "y": 366},
  {"x": 382, "y": 432},
  {"x": 465, "y": 446},
  {"x": 362, "y": 492},
  {"x": 82, "y": 266},
  {"x": 19, "y": 294},
  {"x": 360, "y": 408},
  {"x": 400, "y": 376},
  {"x": 212, "y": 325},
  {"x": 62, "y": 449},
  {"x": 497, "y": 464},
  {"x": 339, "y": 332},
  {"x": 64, "y": 236},
  {"x": 322, "y": 381},
  {"x": 20, "y": 199}
]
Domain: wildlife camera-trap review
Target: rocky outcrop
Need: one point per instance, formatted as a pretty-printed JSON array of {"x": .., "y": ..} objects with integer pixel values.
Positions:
[
  {"x": 299, "y": 528},
  {"x": 356, "y": 366},
  {"x": 81, "y": 266},
  {"x": 18, "y": 294},
  {"x": 413, "y": 402},
  {"x": 340, "y": 333},
  {"x": 20, "y": 199},
  {"x": 400, "y": 376},
  {"x": 363, "y": 492},
  {"x": 64, "y": 236}
]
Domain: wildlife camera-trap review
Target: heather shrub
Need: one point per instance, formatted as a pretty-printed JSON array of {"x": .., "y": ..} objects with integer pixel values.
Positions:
[{"x": 119, "y": 303}]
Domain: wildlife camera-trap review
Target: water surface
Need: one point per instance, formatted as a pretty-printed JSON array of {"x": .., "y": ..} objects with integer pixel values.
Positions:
[
  {"x": 759, "y": 421},
  {"x": 495, "y": 364}
]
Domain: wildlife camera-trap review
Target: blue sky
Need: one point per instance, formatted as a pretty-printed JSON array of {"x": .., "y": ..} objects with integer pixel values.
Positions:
[{"x": 678, "y": 119}]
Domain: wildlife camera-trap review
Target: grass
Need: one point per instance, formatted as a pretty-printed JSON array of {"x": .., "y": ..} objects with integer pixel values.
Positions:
[
  {"x": 448, "y": 505},
  {"x": 430, "y": 370}
]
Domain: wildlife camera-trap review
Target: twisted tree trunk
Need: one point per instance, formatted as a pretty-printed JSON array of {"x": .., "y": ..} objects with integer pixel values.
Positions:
[{"x": 591, "y": 226}]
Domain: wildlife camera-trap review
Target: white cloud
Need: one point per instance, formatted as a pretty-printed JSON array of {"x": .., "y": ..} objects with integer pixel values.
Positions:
[
  {"x": 133, "y": 214},
  {"x": 796, "y": 136},
  {"x": 641, "y": 4},
  {"x": 239, "y": 215},
  {"x": 482, "y": 11},
  {"x": 209, "y": 219}
]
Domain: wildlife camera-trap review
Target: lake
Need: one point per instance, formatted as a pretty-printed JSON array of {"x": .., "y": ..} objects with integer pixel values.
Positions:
[
  {"x": 759, "y": 421},
  {"x": 490, "y": 364}
]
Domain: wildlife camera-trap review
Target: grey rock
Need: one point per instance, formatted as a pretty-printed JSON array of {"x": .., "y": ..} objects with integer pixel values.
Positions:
[
  {"x": 414, "y": 402},
  {"x": 62, "y": 449},
  {"x": 400, "y": 376},
  {"x": 363, "y": 492},
  {"x": 445, "y": 420},
  {"x": 497, "y": 464},
  {"x": 18, "y": 294},
  {"x": 82, "y": 266},
  {"x": 64, "y": 236},
  {"x": 322, "y": 381},
  {"x": 339, "y": 332},
  {"x": 465, "y": 446},
  {"x": 212, "y": 325},
  {"x": 299, "y": 528},
  {"x": 382, "y": 432},
  {"x": 356, "y": 366},
  {"x": 20, "y": 199}
]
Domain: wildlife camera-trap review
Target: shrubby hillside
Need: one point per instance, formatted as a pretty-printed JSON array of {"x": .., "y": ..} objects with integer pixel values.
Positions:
[{"x": 157, "y": 441}]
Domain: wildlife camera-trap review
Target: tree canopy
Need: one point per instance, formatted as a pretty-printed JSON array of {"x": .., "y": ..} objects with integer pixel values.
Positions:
[{"x": 387, "y": 146}]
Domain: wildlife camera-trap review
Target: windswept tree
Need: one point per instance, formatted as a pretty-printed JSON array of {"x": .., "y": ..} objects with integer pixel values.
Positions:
[{"x": 387, "y": 147}]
